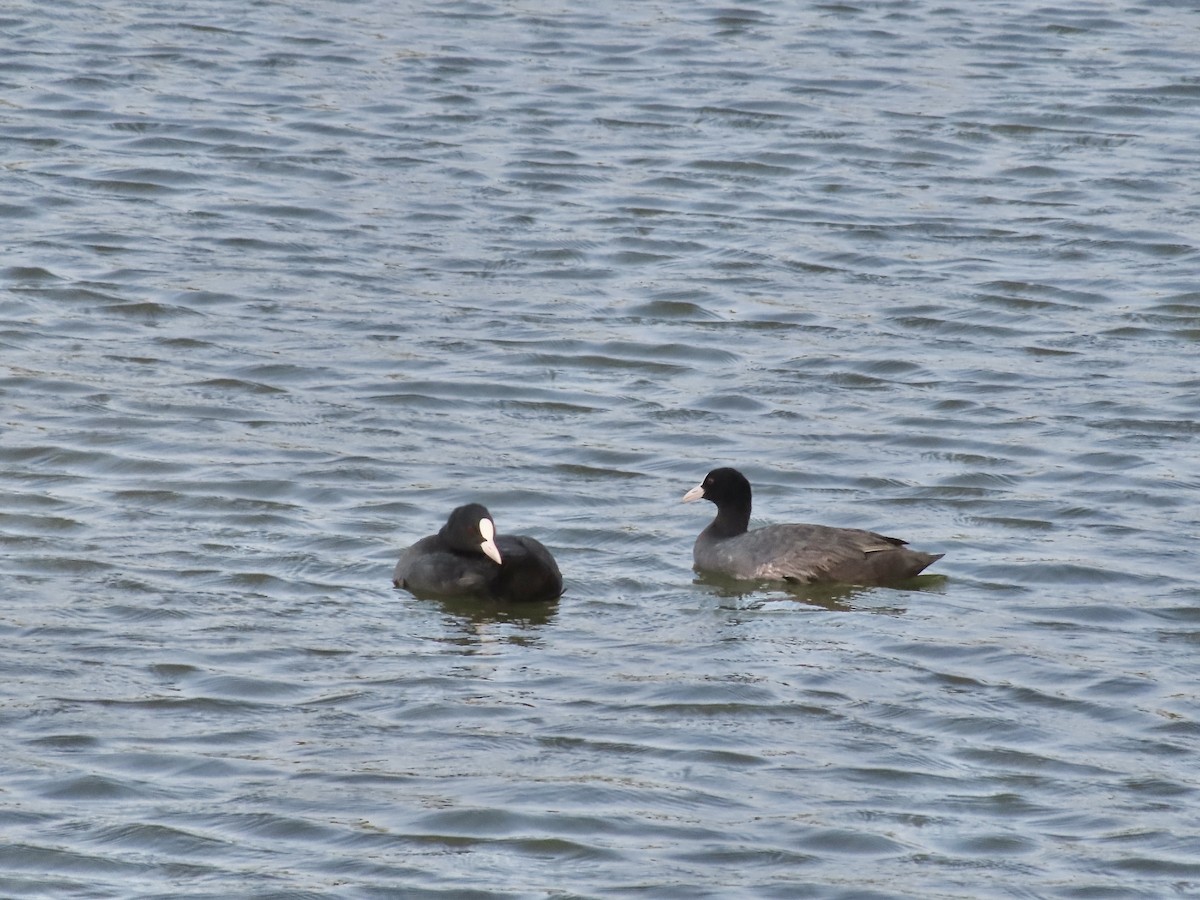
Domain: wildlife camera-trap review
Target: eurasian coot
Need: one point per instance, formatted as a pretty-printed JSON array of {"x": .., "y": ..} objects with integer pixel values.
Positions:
[
  {"x": 802, "y": 554},
  {"x": 466, "y": 558}
]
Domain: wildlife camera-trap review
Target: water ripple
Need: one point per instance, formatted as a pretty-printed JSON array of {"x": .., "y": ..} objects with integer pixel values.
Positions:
[{"x": 282, "y": 290}]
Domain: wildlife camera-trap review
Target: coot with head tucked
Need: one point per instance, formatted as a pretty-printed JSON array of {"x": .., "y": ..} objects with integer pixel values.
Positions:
[
  {"x": 802, "y": 554},
  {"x": 466, "y": 558}
]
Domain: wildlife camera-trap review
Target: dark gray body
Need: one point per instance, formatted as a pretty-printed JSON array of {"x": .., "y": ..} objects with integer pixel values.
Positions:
[{"x": 809, "y": 554}]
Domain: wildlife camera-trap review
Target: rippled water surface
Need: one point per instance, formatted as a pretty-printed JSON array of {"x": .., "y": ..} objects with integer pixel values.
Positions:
[{"x": 283, "y": 282}]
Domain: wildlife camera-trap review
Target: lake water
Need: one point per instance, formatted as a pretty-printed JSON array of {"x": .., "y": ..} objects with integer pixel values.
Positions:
[{"x": 284, "y": 282}]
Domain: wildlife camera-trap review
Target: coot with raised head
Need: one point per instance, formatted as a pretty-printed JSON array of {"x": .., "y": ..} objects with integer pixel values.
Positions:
[{"x": 801, "y": 554}]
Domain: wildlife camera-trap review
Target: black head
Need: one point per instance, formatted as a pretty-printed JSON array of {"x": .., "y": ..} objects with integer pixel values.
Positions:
[
  {"x": 730, "y": 491},
  {"x": 471, "y": 529},
  {"x": 722, "y": 486}
]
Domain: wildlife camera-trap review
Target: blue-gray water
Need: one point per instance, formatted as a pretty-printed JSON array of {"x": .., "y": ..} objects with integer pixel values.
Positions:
[{"x": 283, "y": 282}]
